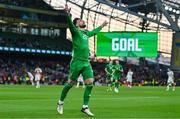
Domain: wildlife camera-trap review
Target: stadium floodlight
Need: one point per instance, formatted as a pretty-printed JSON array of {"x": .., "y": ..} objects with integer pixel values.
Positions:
[
  {"x": 48, "y": 51},
  {"x": 177, "y": 12},
  {"x": 28, "y": 50},
  {"x": 11, "y": 49},
  {"x": 62, "y": 52},
  {"x": 43, "y": 51},
  {"x": 58, "y": 52},
  {"x": 33, "y": 50},
  {"x": 6, "y": 48},
  {"x": 170, "y": 9},
  {"x": 23, "y": 50},
  {"x": 174, "y": 10},
  {"x": 38, "y": 51},
  {"x": 166, "y": 8},
  {"x": 17, "y": 49},
  {"x": 53, "y": 52}
]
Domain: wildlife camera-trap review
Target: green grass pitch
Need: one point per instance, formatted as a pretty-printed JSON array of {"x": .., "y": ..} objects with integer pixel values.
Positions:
[{"x": 138, "y": 102}]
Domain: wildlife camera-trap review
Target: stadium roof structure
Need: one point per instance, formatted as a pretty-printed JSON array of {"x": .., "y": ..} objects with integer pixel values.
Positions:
[
  {"x": 164, "y": 13},
  {"x": 160, "y": 16}
]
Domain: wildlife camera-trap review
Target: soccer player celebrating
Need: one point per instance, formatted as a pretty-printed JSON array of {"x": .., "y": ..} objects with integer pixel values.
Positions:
[
  {"x": 129, "y": 78},
  {"x": 117, "y": 75},
  {"x": 80, "y": 80},
  {"x": 109, "y": 75},
  {"x": 170, "y": 81},
  {"x": 80, "y": 63}
]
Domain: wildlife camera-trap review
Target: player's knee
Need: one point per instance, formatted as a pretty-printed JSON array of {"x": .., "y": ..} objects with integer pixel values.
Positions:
[
  {"x": 71, "y": 82},
  {"x": 89, "y": 81},
  {"x": 89, "y": 86}
]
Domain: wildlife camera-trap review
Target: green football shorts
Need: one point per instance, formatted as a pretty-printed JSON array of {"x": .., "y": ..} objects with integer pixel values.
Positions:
[
  {"x": 78, "y": 67},
  {"x": 116, "y": 77}
]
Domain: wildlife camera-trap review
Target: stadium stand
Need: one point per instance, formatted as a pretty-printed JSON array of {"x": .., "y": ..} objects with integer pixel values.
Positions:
[{"x": 55, "y": 71}]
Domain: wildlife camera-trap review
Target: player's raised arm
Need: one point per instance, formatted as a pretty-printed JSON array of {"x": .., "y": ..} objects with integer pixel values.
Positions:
[
  {"x": 97, "y": 30},
  {"x": 71, "y": 26}
]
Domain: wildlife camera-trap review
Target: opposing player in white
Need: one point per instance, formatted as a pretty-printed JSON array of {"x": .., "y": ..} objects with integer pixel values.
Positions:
[
  {"x": 129, "y": 78},
  {"x": 80, "y": 80},
  {"x": 31, "y": 78},
  {"x": 170, "y": 81},
  {"x": 38, "y": 75}
]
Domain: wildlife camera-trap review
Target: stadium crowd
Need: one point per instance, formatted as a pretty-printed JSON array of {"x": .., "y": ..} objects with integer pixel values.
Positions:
[{"x": 14, "y": 71}]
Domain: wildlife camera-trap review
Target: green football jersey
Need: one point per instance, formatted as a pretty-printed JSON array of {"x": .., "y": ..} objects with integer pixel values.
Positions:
[
  {"x": 118, "y": 68},
  {"x": 109, "y": 69},
  {"x": 80, "y": 40}
]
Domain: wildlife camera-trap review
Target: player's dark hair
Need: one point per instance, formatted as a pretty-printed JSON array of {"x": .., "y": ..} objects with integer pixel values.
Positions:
[{"x": 75, "y": 21}]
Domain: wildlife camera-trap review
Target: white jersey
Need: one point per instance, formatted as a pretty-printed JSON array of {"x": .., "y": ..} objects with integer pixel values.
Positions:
[
  {"x": 31, "y": 77},
  {"x": 38, "y": 73},
  {"x": 170, "y": 77},
  {"x": 80, "y": 78},
  {"x": 129, "y": 76}
]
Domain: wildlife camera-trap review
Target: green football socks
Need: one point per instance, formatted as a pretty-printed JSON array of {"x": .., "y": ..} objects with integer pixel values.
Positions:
[
  {"x": 65, "y": 91},
  {"x": 87, "y": 94}
]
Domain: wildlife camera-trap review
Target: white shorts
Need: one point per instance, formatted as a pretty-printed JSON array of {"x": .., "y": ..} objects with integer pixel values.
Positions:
[
  {"x": 129, "y": 80},
  {"x": 170, "y": 81},
  {"x": 80, "y": 80},
  {"x": 37, "y": 77}
]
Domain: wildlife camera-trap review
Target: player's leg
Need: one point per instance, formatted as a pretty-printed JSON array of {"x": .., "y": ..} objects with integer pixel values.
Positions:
[
  {"x": 78, "y": 82},
  {"x": 116, "y": 89},
  {"x": 38, "y": 84},
  {"x": 32, "y": 82},
  {"x": 174, "y": 84},
  {"x": 88, "y": 80},
  {"x": 37, "y": 79},
  {"x": 109, "y": 83},
  {"x": 168, "y": 86},
  {"x": 116, "y": 77},
  {"x": 112, "y": 83},
  {"x": 130, "y": 84},
  {"x": 64, "y": 93},
  {"x": 73, "y": 75}
]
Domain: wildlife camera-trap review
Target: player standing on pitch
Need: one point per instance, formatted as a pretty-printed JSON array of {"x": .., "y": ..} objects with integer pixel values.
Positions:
[
  {"x": 117, "y": 75},
  {"x": 80, "y": 63},
  {"x": 129, "y": 78},
  {"x": 170, "y": 81},
  {"x": 38, "y": 75},
  {"x": 31, "y": 77},
  {"x": 109, "y": 75}
]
